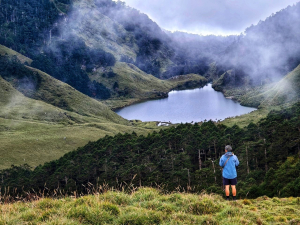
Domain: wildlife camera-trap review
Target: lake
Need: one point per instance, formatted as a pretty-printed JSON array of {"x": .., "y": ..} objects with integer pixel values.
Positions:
[{"x": 185, "y": 107}]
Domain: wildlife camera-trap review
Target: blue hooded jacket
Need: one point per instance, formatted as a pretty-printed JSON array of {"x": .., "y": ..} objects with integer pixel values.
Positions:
[{"x": 229, "y": 171}]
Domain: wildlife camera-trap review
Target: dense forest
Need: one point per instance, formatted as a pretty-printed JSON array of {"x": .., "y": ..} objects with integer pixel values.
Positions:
[
  {"x": 32, "y": 27},
  {"x": 184, "y": 157},
  {"x": 44, "y": 31},
  {"x": 47, "y": 33},
  {"x": 26, "y": 81}
]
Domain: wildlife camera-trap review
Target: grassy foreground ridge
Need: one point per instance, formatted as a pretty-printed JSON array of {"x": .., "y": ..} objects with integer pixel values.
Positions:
[{"x": 150, "y": 206}]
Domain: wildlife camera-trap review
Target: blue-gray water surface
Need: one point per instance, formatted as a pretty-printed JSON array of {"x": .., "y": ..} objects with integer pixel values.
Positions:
[{"x": 185, "y": 107}]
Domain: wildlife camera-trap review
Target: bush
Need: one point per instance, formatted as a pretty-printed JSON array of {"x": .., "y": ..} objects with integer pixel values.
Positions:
[{"x": 205, "y": 206}]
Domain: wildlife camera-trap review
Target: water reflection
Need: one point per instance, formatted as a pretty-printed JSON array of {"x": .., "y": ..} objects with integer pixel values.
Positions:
[{"x": 186, "y": 106}]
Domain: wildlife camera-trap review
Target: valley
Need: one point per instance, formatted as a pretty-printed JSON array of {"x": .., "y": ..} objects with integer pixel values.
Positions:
[{"x": 67, "y": 67}]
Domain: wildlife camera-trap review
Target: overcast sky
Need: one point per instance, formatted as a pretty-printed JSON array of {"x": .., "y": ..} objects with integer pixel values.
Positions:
[{"x": 220, "y": 17}]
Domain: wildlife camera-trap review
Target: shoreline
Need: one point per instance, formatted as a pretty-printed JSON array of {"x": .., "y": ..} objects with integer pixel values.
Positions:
[{"x": 140, "y": 100}]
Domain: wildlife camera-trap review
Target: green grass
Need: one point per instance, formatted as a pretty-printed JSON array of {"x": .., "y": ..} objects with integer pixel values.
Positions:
[
  {"x": 140, "y": 86},
  {"x": 62, "y": 95},
  {"x": 150, "y": 206},
  {"x": 40, "y": 126},
  {"x": 246, "y": 119},
  {"x": 287, "y": 90},
  {"x": 34, "y": 132},
  {"x": 35, "y": 142},
  {"x": 4, "y": 50}
]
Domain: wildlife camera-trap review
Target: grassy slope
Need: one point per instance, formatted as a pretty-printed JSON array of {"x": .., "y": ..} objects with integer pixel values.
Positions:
[
  {"x": 62, "y": 95},
  {"x": 34, "y": 132},
  {"x": 287, "y": 90},
  {"x": 4, "y": 50},
  {"x": 149, "y": 206},
  {"x": 244, "y": 120},
  {"x": 15, "y": 105},
  {"x": 140, "y": 85},
  {"x": 58, "y": 119},
  {"x": 269, "y": 97}
]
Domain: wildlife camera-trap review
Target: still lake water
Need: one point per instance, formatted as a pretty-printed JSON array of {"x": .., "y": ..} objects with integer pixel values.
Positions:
[{"x": 186, "y": 106}]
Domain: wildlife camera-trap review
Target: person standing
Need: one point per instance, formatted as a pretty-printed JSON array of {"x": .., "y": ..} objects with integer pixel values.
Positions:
[{"x": 229, "y": 162}]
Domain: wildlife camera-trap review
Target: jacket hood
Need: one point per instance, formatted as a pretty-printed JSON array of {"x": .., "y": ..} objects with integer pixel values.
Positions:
[{"x": 228, "y": 154}]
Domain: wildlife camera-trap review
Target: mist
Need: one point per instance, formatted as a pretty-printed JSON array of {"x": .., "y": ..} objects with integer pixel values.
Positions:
[
  {"x": 269, "y": 50},
  {"x": 218, "y": 17}
]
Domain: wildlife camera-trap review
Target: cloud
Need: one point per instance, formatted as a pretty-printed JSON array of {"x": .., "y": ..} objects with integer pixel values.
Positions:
[{"x": 208, "y": 16}]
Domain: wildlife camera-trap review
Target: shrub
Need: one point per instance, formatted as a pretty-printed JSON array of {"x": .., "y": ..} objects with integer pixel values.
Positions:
[
  {"x": 247, "y": 202},
  {"x": 205, "y": 206}
]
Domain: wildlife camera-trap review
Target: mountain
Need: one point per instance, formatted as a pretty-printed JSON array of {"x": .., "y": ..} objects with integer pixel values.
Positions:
[
  {"x": 75, "y": 32},
  {"x": 287, "y": 90},
  {"x": 37, "y": 85},
  {"x": 42, "y": 118},
  {"x": 196, "y": 53},
  {"x": 132, "y": 84},
  {"x": 76, "y": 38},
  {"x": 265, "y": 52},
  {"x": 36, "y": 106}
]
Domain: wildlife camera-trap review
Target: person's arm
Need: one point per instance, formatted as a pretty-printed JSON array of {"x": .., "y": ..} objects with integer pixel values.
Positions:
[
  {"x": 221, "y": 162},
  {"x": 236, "y": 161}
]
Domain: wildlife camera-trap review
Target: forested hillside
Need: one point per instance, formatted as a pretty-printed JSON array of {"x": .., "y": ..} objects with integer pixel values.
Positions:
[
  {"x": 265, "y": 52},
  {"x": 69, "y": 38},
  {"x": 184, "y": 157},
  {"x": 79, "y": 43}
]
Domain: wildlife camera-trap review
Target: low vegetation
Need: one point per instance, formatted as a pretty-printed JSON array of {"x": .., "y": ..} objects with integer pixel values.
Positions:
[
  {"x": 252, "y": 117},
  {"x": 129, "y": 84},
  {"x": 42, "y": 118},
  {"x": 4, "y": 50},
  {"x": 151, "y": 206},
  {"x": 283, "y": 92}
]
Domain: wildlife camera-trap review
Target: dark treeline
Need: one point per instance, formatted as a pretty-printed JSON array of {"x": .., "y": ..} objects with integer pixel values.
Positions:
[
  {"x": 25, "y": 24},
  {"x": 22, "y": 78},
  {"x": 265, "y": 52},
  {"x": 70, "y": 61},
  {"x": 185, "y": 156},
  {"x": 157, "y": 47},
  {"x": 28, "y": 81},
  {"x": 33, "y": 29}
]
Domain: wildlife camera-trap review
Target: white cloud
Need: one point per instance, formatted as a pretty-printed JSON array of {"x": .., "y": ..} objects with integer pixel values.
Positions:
[{"x": 208, "y": 16}]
